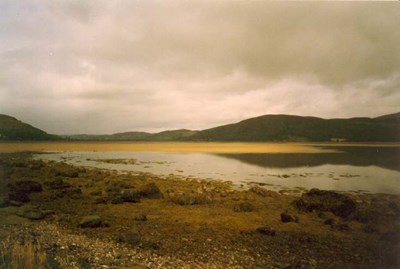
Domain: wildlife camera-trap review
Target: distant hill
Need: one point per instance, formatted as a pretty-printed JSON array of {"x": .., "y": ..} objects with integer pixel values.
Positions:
[
  {"x": 12, "y": 129},
  {"x": 297, "y": 128},
  {"x": 128, "y": 136},
  {"x": 173, "y": 135},
  {"x": 268, "y": 128},
  {"x": 391, "y": 118}
]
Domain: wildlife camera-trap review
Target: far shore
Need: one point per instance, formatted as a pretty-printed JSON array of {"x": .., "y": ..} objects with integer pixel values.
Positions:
[{"x": 206, "y": 147}]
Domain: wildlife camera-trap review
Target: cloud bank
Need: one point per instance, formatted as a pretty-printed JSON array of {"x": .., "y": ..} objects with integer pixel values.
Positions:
[{"x": 111, "y": 66}]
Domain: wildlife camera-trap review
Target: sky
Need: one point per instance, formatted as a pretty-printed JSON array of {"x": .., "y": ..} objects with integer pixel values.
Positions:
[{"x": 71, "y": 67}]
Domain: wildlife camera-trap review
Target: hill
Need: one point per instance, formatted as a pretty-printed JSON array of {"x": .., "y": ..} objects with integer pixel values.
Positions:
[
  {"x": 297, "y": 128},
  {"x": 12, "y": 129},
  {"x": 172, "y": 135},
  {"x": 272, "y": 128}
]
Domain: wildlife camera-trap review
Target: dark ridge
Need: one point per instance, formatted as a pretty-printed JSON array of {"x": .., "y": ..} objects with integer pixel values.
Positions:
[{"x": 12, "y": 129}]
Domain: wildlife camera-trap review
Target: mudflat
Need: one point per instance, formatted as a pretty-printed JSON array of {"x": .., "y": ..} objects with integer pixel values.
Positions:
[
  {"x": 59, "y": 215},
  {"x": 207, "y": 147}
]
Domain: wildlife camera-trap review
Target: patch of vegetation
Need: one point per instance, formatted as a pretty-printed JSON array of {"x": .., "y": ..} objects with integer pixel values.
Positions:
[
  {"x": 24, "y": 255},
  {"x": 12, "y": 129}
]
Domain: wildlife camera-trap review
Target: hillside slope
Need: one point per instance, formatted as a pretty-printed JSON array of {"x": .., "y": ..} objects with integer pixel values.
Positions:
[
  {"x": 279, "y": 128},
  {"x": 171, "y": 135},
  {"x": 13, "y": 129},
  {"x": 297, "y": 128}
]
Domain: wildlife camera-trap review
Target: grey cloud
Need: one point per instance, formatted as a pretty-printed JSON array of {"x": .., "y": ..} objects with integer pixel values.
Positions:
[{"x": 108, "y": 66}]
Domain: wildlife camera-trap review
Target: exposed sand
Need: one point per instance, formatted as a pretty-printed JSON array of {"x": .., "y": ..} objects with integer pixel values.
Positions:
[{"x": 207, "y": 147}]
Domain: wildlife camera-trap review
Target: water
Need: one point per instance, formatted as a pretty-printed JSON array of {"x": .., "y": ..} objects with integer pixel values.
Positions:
[{"x": 365, "y": 169}]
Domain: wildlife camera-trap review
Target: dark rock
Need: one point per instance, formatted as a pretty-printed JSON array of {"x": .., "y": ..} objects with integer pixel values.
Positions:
[
  {"x": 4, "y": 202},
  {"x": 303, "y": 264},
  {"x": 130, "y": 196},
  {"x": 33, "y": 214},
  {"x": 21, "y": 164},
  {"x": 127, "y": 196},
  {"x": 150, "y": 191},
  {"x": 263, "y": 192},
  {"x": 91, "y": 221},
  {"x": 36, "y": 165},
  {"x": 72, "y": 193},
  {"x": 330, "y": 201},
  {"x": 150, "y": 245},
  {"x": 67, "y": 172},
  {"x": 321, "y": 215},
  {"x": 285, "y": 217},
  {"x": 305, "y": 239},
  {"x": 266, "y": 231},
  {"x": 26, "y": 186},
  {"x": 140, "y": 217},
  {"x": 57, "y": 184},
  {"x": 18, "y": 197},
  {"x": 81, "y": 169},
  {"x": 192, "y": 199},
  {"x": 116, "y": 200},
  {"x": 118, "y": 186},
  {"x": 344, "y": 227},
  {"x": 100, "y": 200},
  {"x": 131, "y": 237},
  {"x": 329, "y": 221},
  {"x": 15, "y": 203},
  {"x": 48, "y": 212},
  {"x": 96, "y": 193},
  {"x": 391, "y": 236},
  {"x": 370, "y": 229},
  {"x": 378, "y": 211},
  {"x": 243, "y": 207}
]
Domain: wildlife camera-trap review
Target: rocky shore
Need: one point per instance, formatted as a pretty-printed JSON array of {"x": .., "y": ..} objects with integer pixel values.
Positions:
[{"x": 54, "y": 215}]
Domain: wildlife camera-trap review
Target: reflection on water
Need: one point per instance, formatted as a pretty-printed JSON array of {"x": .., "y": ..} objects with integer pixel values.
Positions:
[
  {"x": 384, "y": 157},
  {"x": 355, "y": 169}
]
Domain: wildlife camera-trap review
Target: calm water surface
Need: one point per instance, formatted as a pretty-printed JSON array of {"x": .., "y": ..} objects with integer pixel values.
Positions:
[{"x": 370, "y": 169}]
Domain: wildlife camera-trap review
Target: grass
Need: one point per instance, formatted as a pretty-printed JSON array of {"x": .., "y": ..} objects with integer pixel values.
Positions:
[
  {"x": 25, "y": 255},
  {"x": 28, "y": 255}
]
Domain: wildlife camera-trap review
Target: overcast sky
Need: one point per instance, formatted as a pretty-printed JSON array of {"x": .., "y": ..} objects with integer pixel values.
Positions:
[{"x": 110, "y": 66}]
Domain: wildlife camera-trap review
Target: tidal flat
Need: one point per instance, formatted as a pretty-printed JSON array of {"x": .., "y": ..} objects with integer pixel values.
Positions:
[
  {"x": 206, "y": 147},
  {"x": 58, "y": 215}
]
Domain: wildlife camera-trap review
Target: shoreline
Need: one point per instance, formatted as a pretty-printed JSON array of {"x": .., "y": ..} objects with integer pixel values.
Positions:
[
  {"x": 175, "y": 223},
  {"x": 205, "y": 147}
]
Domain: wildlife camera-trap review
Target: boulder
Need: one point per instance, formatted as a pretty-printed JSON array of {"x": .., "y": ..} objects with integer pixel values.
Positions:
[
  {"x": 130, "y": 196},
  {"x": 18, "y": 197},
  {"x": 66, "y": 172},
  {"x": 303, "y": 264},
  {"x": 330, "y": 222},
  {"x": 116, "y": 200},
  {"x": 91, "y": 221},
  {"x": 320, "y": 200},
  {"x": 26, "y": 186},
  {"x": 140, "y": 217},
  {"x": 96, "y": 193},
  {"x": 33, "y": 214},
  {"x": 100, "y": 200},
  {"x": 118, "y": 186},
  {"x": 57, "y": 184},
  {"x": 243, "y": 207},
  {"x": 266, "y": 231},
  {"x": 132, "y": 237},
  {"x": 4, "y": 202},
  {"x": 391, "y": 236},
  {"x": 285, "y": 217},
  {"x": 150, "y": 191},
  {"x": 191, "y": 199}
]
